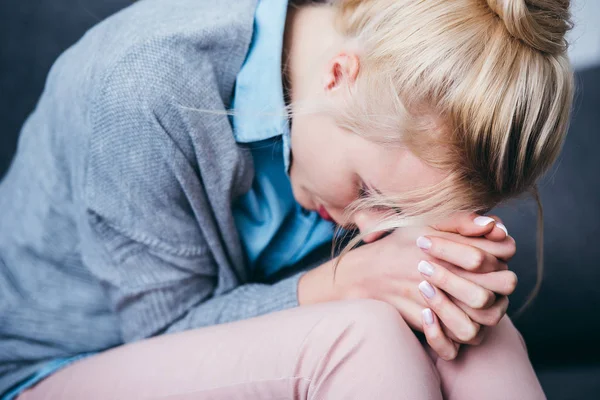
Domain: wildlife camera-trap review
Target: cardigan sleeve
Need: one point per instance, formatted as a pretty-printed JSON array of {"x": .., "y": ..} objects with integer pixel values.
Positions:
[
  {"x": 140, "y": 236},
  {"x": 154, "y": 291}
]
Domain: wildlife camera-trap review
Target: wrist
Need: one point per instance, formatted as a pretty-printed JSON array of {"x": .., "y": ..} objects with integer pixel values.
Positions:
[{"x": 317, "y": 285}]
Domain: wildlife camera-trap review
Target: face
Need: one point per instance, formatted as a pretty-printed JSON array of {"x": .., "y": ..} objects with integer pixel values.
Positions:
[{"x": 331, "y": 165}]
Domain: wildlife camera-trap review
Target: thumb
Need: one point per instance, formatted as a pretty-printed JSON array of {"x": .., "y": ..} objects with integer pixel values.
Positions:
[{"x": 466, "y": 224}]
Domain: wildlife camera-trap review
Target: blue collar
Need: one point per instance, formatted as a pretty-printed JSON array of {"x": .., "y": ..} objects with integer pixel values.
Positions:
[{"x": 258, "y": 99}]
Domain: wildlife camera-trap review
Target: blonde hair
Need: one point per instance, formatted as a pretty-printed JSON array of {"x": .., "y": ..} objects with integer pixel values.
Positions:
[{"x": 482, "y": 89}]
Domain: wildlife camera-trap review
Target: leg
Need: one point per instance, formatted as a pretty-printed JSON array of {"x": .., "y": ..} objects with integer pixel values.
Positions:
[
  {"x": 499, "y": 368},
  {"x": 338, "y": 350}
]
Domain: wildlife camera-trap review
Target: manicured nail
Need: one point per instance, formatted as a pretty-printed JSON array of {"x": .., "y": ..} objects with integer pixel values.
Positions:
[
  {"x": 483, "y": 221},
  {"x": 428, "y": 316},
  {"x": 426, "y": 289},
  {"x": 425, "y": 268},
  {"x": 424, "y": 243},
  {"x": 501, "y": 226}
]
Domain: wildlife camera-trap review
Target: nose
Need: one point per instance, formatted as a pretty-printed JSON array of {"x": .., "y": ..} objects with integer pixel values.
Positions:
[{"x": 366, "y": 220}]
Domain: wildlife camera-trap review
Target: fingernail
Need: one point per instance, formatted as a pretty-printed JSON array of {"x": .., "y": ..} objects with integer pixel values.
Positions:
[
  {"x": 426, "y": 289},
  {"x": 501, "y": 226},
  {"x": 425, "y": 268},
  {"x": 428, "y": 316},
  {"x": 483, "y": 221},
  {"x": 423, "y": 243}
]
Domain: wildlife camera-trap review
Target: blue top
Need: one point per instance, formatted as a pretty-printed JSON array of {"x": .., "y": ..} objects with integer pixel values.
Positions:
[{"x": 274, "y": 231}]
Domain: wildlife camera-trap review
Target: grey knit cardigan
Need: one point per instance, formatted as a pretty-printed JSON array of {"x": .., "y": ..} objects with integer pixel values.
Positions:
[{"x": 115, "y": 216}]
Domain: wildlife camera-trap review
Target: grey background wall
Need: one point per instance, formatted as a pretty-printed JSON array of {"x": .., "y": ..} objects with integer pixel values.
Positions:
[
  {"x": 585, "y": 37},
  {"x": 561, "y": 327}
]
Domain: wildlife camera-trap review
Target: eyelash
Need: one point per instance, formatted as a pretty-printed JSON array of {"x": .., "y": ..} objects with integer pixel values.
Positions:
[{"x": 363, "y": 190}]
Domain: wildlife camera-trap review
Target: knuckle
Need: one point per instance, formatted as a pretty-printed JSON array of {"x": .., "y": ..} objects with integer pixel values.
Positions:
[
  {"x": 441, "y": 277},
  {"x": 439, "y": 250},
  {"x": 480, "y": 298},
  {"x": 436, "y": 302},
  {"x": 434, "y": 337},
  {"x": 477, "y": 259},
  {"x": 511, "y": 282},
  {"x": 494, "y": 316},
  {"x": 405, "y": 292},
  {"x": 449, "y": 354},
  {"x": 468, "y": 332}
]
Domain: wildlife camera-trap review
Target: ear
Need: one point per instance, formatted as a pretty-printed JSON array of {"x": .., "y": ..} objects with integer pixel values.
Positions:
[{"x": 341, "y": 71}]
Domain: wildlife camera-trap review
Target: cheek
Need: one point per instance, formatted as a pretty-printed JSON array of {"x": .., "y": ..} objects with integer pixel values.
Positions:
[
  {"x": 320, "y": 162},
  {"x": 417, "y": 174},
  {"x": 311, "y": 146},
  {"x": 398, "y": 170}
]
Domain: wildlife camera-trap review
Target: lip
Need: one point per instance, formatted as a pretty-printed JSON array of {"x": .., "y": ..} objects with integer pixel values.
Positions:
[{"x": 324, "y": 214}]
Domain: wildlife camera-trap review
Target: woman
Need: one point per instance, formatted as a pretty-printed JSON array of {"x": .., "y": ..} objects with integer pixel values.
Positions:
[{"x": 151, "y": 247}]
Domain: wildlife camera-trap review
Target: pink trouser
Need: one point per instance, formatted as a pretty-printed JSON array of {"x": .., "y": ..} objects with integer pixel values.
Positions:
[{"x": 358, "y": 349}]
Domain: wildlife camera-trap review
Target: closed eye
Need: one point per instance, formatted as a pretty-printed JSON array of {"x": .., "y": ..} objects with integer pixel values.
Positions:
[
  {"x": 366, "y": 190},
  {"x": 363, "y": 191}
]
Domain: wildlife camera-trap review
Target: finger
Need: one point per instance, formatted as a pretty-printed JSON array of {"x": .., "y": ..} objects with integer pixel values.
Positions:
[
  {"x": 451, "y": 315},
  {"x": 488, "y": 317},
  {"x": 503, "y": 250},
  {"x": 500, "y": 282},
  {"x": 496, "y": 235},
  {"x": 466, "y": 224},
  {"x": 468, "y": 292},
  {"x": 473, "y": 342},
  {"x": 498, "y": 221},
  {"x": 437, "y": 340},
  {"x": 410, "y": 312},
  {"x": 499, "y": 233},
  {"x": 462, "y": 255}
]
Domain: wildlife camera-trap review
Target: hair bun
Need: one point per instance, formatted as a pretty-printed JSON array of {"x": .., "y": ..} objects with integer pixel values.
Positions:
[{"x": 542, "y": 24}]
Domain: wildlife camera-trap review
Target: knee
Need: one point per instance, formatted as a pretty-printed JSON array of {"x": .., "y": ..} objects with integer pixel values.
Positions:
[
  {"x": 372, "y": 318},
  {"x": 377, "y": 329},
  {"x": 506, "y": 333},
  {"x": 369, "y": 338}
]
